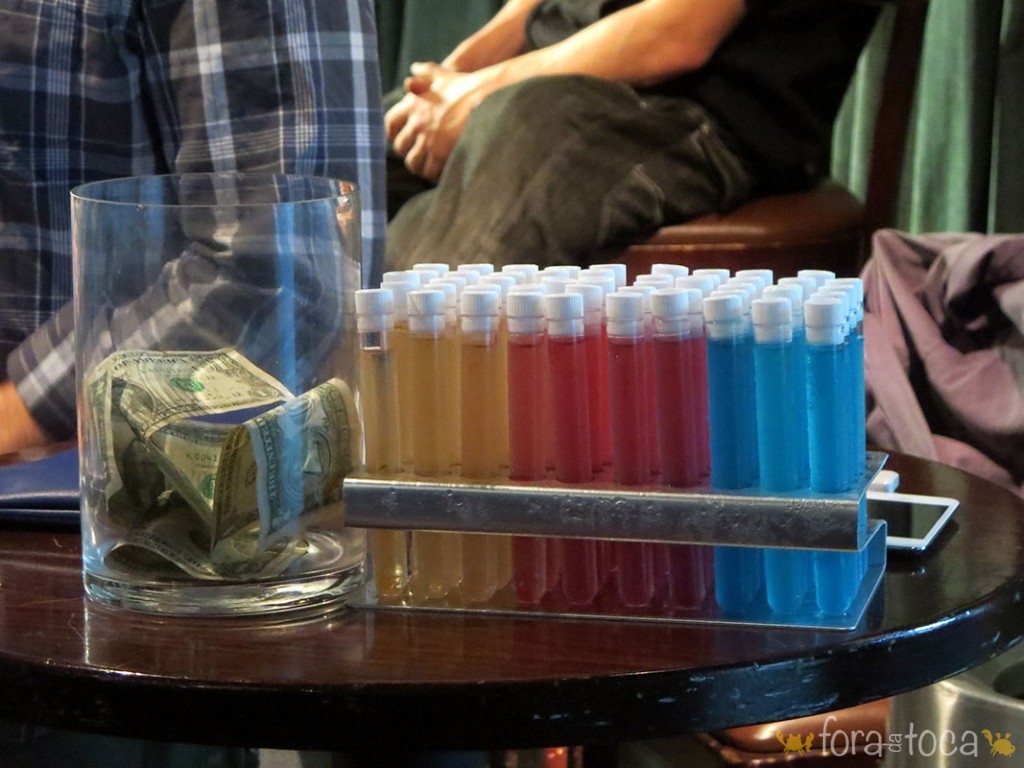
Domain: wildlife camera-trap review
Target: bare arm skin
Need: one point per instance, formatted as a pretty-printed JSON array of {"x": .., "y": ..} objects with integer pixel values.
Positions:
[{"x": 642, "y": 44}]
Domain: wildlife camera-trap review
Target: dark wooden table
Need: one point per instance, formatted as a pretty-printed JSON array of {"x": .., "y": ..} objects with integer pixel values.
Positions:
[{"x": 371, "y": 680}]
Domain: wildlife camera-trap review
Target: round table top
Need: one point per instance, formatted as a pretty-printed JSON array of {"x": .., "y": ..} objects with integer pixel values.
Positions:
[{"x": 374, "y": 679}]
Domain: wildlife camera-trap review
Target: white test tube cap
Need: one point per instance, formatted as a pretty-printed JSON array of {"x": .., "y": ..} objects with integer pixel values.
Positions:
[
  {"x": 434, "y": 266},
  {"x": 743, "y": 291},
  {"x": 604, "y": 278},
  {"x": 625, "y": 313},
  {"x": 672, "y": 270},
  {"x": 593, "y": 295},
  {"x": 718, "y": 275},
  {"x": 723, "y": 306},
  {"x": 482, "y": 268},
  {"x": 643, "y": 290},
  {"x": 766, "y": 276},
  {"x": 703, "y": 283},
  {"x": 670, "y": 303},
  {"x": 524, "y": 303},
  {"x": 795, "y": 294},
  {"x": 564, "y": 313},
  {"x": 773, "y": 319},
  {"x": 825, "y": 319},
  {"x": 819, "y": 276},
  {"x": 479, "y": 309},
  {"x": 400, "y": 283},
  {"x": 528, "y": 271},
  {"x": 618, "y": 270},
  {"x": 427, "y": 310},
  {"x": 555, "y": 283},
  {"x": 658, "y": 281},
  {"x": 375, "y": 309},
  {"x": 671, "y": 310}
]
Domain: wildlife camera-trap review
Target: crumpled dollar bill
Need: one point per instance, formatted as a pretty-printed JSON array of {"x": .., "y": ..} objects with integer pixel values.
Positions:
[{"x": 210, "y": 465}]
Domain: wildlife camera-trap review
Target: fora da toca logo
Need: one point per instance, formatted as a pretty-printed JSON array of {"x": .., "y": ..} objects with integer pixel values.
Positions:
[{"x": 925, "y": 743}]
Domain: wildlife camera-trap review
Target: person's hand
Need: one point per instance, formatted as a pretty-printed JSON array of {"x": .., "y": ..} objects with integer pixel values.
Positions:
[
  {"x": 18, "y": 430},
  {"x": 424, "y": 126}
]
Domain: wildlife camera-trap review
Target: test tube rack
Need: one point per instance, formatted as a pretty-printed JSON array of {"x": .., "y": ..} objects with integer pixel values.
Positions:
[{"x": 701, "y": 516}]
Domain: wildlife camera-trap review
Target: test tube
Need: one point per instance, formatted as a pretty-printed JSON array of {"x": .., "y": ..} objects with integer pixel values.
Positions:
[
  {"x": 788, "y": 572},
  {"x": 400, "y": 283},
  {"x": 794, "y": 292},
  {"x": 378, "y": 400},
  {"x": 627, "y": 375},
  {"x": 739, "y": 571},
  {"x": 527, "y": 402},
  {"x": 595, "y": 341},
  {"x": 481, "y": 457},
  {"x": 836, "y": 573},
  {"x": 676, "y": 401},
  {"x": 650, "y": 395},
  {"x": 700, "y": 288},
  {"x": 571, "y": 423},
  {"x": 854, "y": 288},
  {"x": 435, "y": 557}
]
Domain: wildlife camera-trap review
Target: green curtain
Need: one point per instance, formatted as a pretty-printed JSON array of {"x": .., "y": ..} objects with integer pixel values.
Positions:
[
  {"x": 424, "y": 30},
  {"x": 964, "y": 165}
]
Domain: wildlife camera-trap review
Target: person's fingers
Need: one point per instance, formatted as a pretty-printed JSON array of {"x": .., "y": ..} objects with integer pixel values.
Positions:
[{"x": 432, "y": 168}]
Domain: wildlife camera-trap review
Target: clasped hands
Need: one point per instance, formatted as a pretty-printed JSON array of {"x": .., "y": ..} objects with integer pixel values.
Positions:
[{"x": 424, "y": 126}]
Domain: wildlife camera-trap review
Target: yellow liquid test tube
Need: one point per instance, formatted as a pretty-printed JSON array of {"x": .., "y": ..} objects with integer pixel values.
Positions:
[
  {"x": 435, "y": 559},
  {"x": 482, "y": 554},
  {"x": 400, "y": 283},
  {"x": 378, "y": 400}
]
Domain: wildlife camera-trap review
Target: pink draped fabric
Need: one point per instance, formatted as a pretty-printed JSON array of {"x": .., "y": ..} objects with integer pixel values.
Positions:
[{"x": 944, "y": 351}]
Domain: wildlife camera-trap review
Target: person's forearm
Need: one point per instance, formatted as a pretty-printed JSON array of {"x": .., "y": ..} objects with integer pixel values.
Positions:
[
  {"x": 642, "y": 44},
  {"x": 18, "y": 430},
  {"x": 501, "y": 38}
]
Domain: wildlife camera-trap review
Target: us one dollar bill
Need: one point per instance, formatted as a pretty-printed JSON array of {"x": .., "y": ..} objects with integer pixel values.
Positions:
[{"x": 211, "y": 498}]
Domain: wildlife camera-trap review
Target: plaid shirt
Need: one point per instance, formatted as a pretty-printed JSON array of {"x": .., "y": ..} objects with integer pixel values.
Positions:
[{"x": 96, "y": 89}]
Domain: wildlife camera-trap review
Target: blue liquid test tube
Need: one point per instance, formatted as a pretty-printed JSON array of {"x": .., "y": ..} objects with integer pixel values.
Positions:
[
  {"x": 788, "y": 572},
  {"x": 836, "y": 573},
  {"x": 732, "y": 423}
]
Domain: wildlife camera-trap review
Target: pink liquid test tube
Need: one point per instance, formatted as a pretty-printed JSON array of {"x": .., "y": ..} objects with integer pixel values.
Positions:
[
  {"x": 699, "y": 288},
  {"x": 527, "y": 364},
  {"x": 675, "y": 398},
  {"x": 654, "y": 449},
  {"x": 595, "y": 341},
  {"x": 567, "y": 373},
  {"x": 630, "y": 423}
]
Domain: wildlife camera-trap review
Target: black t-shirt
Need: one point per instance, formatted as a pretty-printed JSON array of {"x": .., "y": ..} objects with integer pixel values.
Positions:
[{"x": 775, "y": 84}]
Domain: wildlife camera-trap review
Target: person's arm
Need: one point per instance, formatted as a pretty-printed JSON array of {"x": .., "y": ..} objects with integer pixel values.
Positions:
[
  {"x": 501, "y": 38},
  {"x": 18, "y": 430},
  {"x": 642, "y": 44},
  {"x": 309, "y": 104}
]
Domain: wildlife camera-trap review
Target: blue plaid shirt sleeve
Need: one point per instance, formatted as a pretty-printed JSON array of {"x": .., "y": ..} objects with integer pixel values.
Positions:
[{"x": 155, "y": 87}]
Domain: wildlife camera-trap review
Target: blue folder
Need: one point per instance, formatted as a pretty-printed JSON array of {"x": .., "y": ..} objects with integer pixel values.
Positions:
[{"x": 41, "y": 491}]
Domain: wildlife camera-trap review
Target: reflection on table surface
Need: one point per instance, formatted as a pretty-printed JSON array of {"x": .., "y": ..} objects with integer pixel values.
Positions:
[{"x": 443, "y": 681}]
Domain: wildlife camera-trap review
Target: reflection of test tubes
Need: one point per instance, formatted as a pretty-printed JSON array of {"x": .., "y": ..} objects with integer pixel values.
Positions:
[
  {"x": 571, "y": 422},
  {"x": 481, "y": 455},
  {"x": 435, "y": 558},
  {"x": 779, "y": 437},
  {"x": 378, "y": 400},
  {"x": 627, "y": 377},
  {"x": 527, "y": 398}
]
